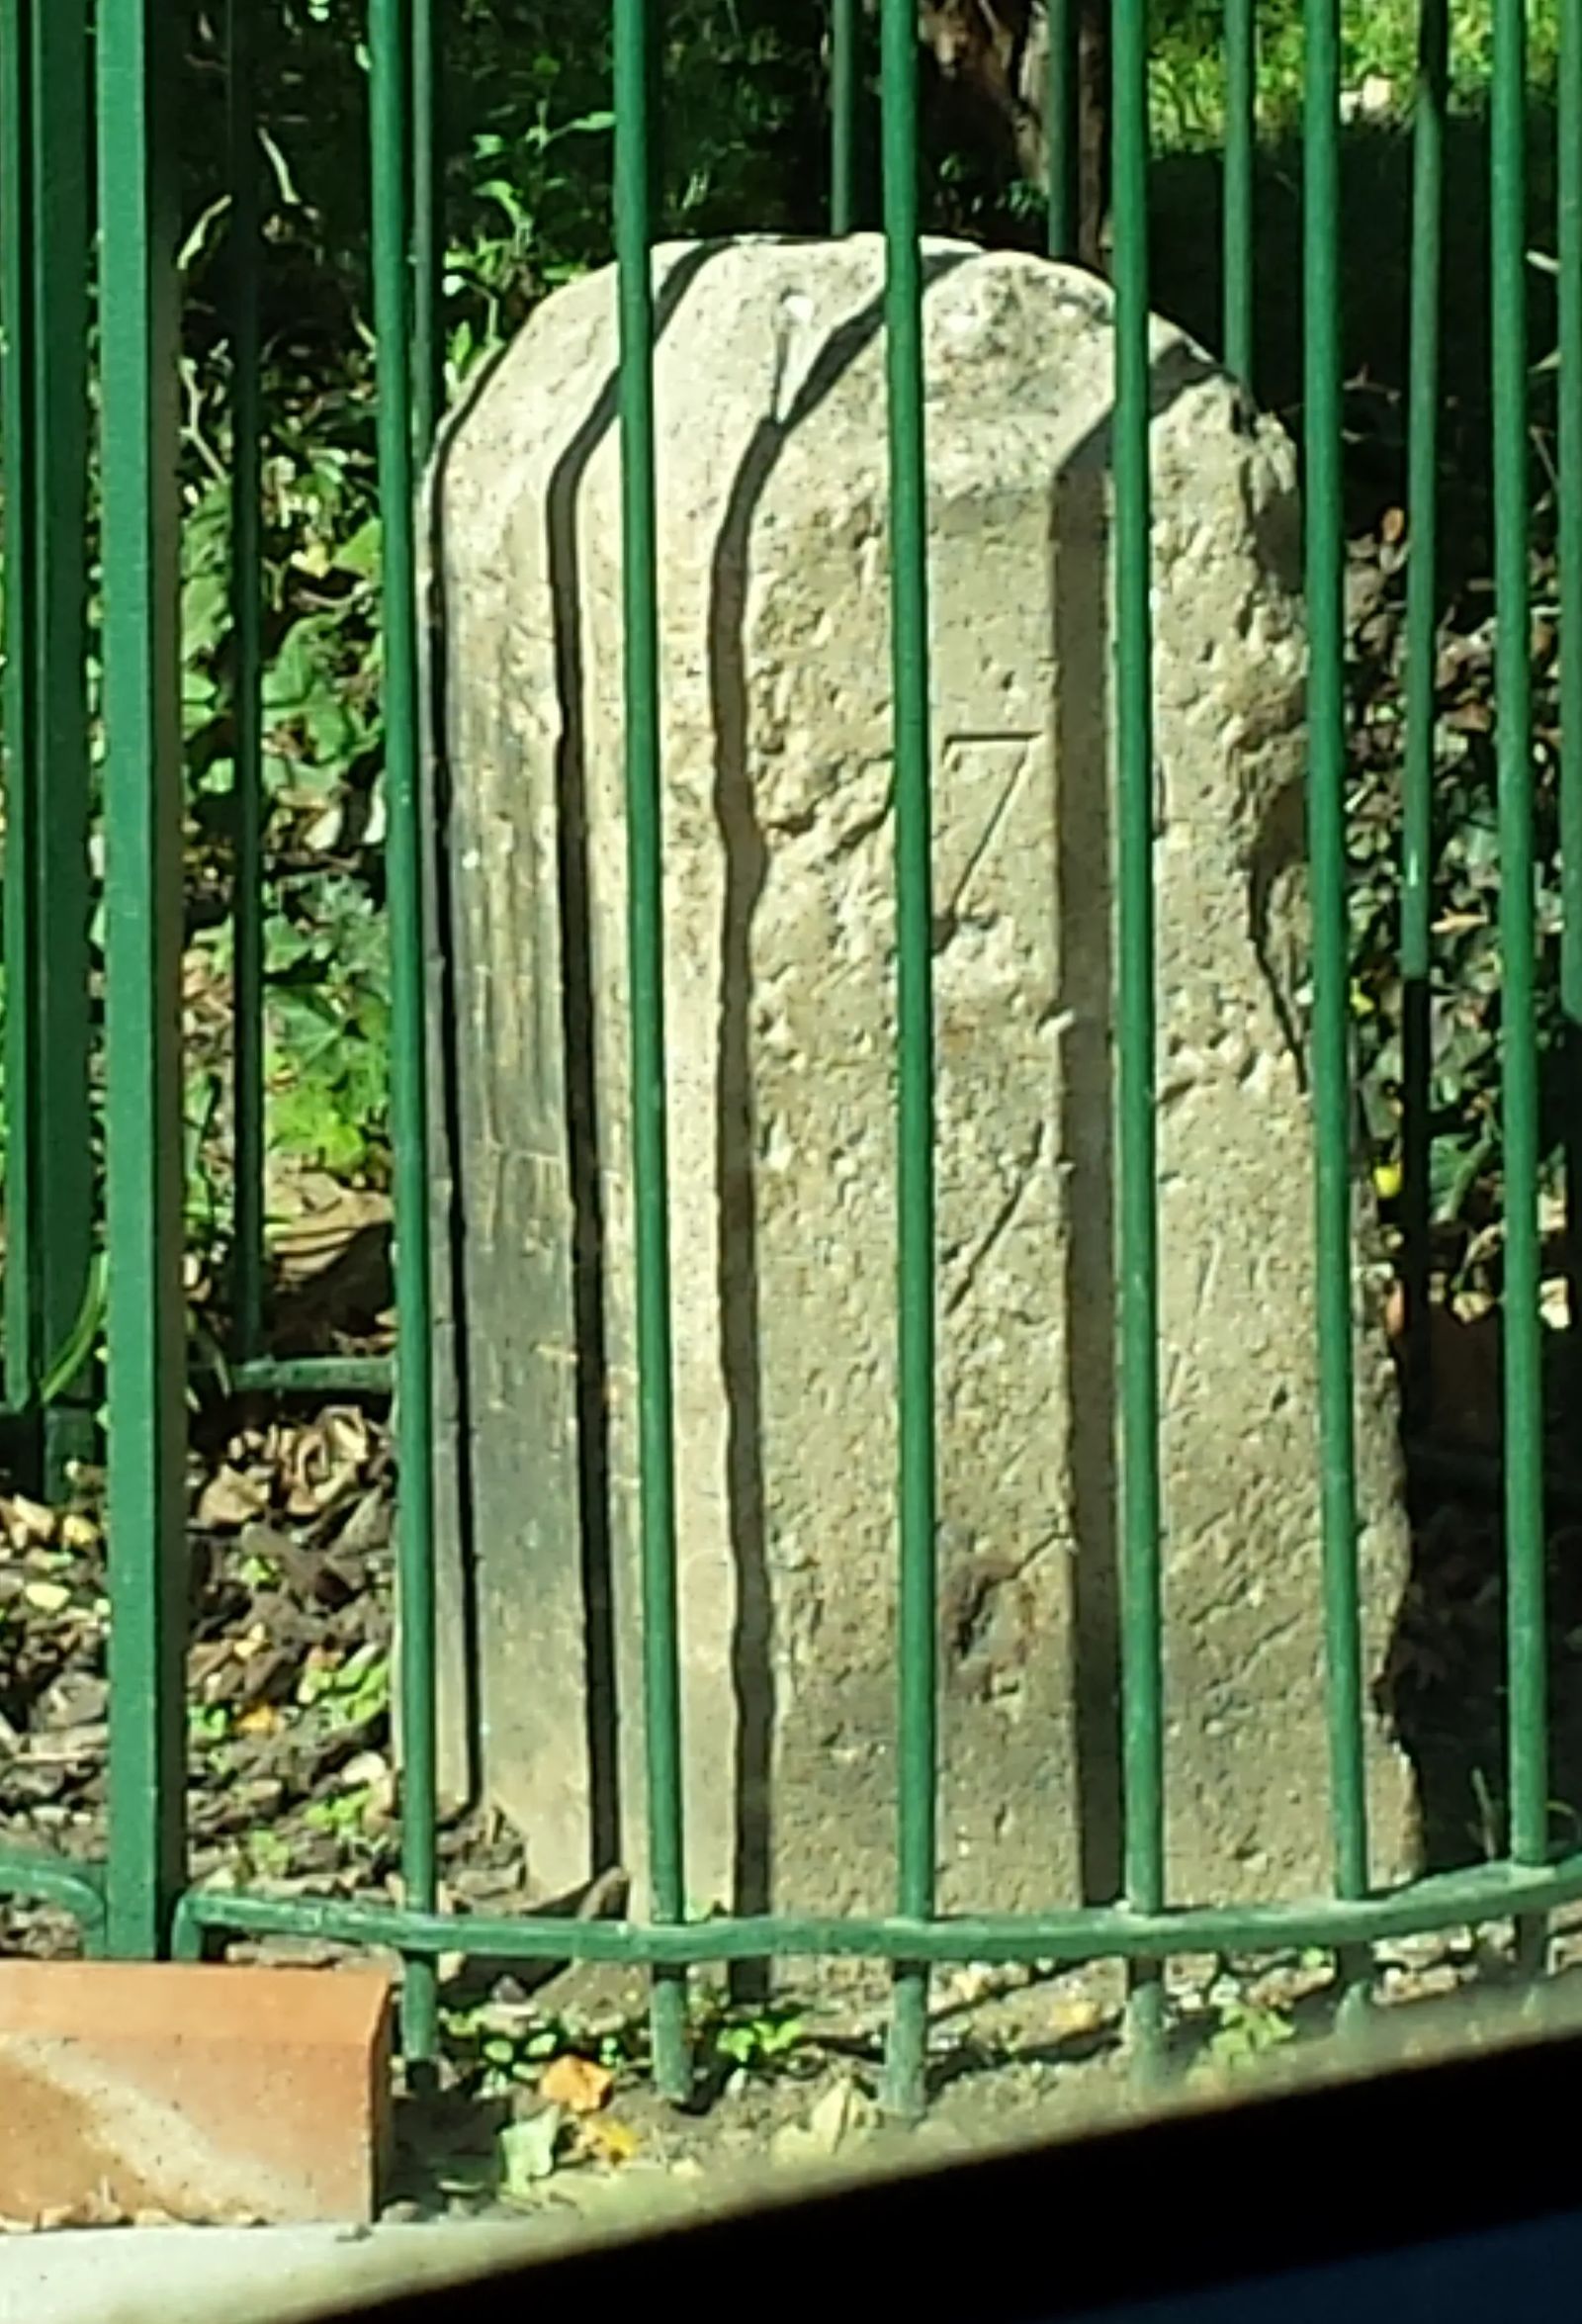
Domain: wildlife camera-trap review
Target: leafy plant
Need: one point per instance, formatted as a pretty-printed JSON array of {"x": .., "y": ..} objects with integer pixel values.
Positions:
[
  {"x": 497, "y": 2060},
  {"x": 763, "y": 2041},
  {"x": 344, "y": 1814},
  {"x": 526, "y": 208},
  {"x": 1247, "y": 2033},
  {"x": 268, "y": 1853},
  {"x": 351, "y": 1693}
]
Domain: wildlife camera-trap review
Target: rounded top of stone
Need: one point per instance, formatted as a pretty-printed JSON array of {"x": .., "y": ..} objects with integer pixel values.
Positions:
[
  {"x": 790, "y": 324},
  {"x": 772, "y": 395},
  {"x": 1008, "y": 312}
]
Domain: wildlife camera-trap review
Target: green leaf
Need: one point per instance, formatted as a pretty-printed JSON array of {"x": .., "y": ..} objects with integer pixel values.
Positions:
[
  {"x": 361, "y": 555},
  {"x": 83, "y": 1339},
  {"x": 205, "y": 612}
]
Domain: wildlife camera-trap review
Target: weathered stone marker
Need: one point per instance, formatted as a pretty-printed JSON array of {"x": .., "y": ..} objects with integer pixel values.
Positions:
[{"x": 774, "y": 610}]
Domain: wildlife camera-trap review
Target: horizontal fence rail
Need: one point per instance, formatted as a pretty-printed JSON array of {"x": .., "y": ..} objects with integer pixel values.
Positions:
[{"x": 93, "y": 732}]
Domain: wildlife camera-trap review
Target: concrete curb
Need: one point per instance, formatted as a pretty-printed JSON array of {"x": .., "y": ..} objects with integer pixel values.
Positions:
[{"x": 238, "y": 2274}]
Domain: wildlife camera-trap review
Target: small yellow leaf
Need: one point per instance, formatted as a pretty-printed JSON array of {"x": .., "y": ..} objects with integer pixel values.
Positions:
[
  {"x": 46, "y": 1597},
  {"x": 262, "y": 1719},
  {"x": 609, "y": 2141},
  {"x": 1387, "y": 1181}
]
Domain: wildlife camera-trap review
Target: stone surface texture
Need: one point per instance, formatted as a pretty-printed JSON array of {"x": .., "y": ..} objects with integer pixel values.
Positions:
[{"x": 777, "y": 824}]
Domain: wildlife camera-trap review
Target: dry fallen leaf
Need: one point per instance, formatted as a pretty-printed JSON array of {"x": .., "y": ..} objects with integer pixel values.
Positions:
[
  {"x": 609, "y": 2141},
  {"x": 46, "y": 1597},
  {"x": 843, "y": 2112},
  {"x": 578, "y": 2084},
  {"x": 1074, "y": 2017},
  {"x": 332, "y": 1216},
  {"x": 324, "y": 1462},
  {"x": 229, "y": 1499},
  {"x": 28, "y": 1525},
  {"x": 528, "y": 2152}
]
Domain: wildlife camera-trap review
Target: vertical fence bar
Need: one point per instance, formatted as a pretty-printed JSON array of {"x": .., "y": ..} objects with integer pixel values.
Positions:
[
  {"x": 1417, "y": 771},
  {"x": 1060, "y": 175},
  {"x": 47, "y": 264},
  {"x": 1524, "y": 1419},
  {"x": 15, "y": 451},
  {"x": 56, "y": 1103},
  {"x": 1240, "y": 135},
  {"x": 246, "y": 613},
  {"x": 917, "y": 1729},
  {"x": 19, "y": 720},
  {"x": 1331, "y": 1032},
  {"x": 390, "y": 55},
  {"x": 845, "y": 88},
  {"x": 633, "y": 66},
  {"x": 1569, "y": 290},
  {"x": 1142, "y": 1606},
  {"x": 139, "y": 49},
  {"x": 428, "y": 229}
]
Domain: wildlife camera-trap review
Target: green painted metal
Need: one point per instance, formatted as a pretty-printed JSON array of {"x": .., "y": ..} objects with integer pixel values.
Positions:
[
  {"x": 846, "y": 98},
  {"x": 135, "y": 1904},
  {"x": 428, "y": 229},
  {"x": 916, "y": 1738},
  {"x": 1331, "y": 1030},
  {"x": 44, "y": 273},
  {"x": 661, "y": 1678},
  {"x": 137, "y": 47},
  {"x": 77, "y": 1889},
  {"x": 1142, "y": 1645},
  {"x": 390, "y": 44},
  {"x": 1519, "y": 1055},
  {"x": 1060, "y": 208},
  {"x": 283, "y": 1376},
  {"x": 1422, "y": 656},
  {"x": 1569, "y": 289},
  {"x": 246, "y": 259},
  {"x": 20, "y": 721},
  {"x": 1457, "y": 1899},
  {"x": 1241, "y": 137}
]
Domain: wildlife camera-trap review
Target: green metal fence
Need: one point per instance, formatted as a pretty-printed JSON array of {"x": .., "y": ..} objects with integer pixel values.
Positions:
[{"x": 92, "y": 605}]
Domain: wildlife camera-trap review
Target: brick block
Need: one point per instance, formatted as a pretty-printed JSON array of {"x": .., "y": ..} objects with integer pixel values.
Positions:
[{"x": 200, "y": 2091}]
